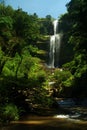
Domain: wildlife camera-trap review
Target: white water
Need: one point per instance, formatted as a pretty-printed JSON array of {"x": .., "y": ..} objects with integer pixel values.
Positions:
[
  {"x": 62, "y": 116},
  {"x": 55, "y": 24},
  {"x": 54, "y": 47}
]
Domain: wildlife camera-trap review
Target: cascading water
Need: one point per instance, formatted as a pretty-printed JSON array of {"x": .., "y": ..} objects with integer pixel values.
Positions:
[{"x": 54, "y": 47}]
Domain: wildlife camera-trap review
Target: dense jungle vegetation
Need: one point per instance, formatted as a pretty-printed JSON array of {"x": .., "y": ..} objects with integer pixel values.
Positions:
[{"x": 24, "y": 78}]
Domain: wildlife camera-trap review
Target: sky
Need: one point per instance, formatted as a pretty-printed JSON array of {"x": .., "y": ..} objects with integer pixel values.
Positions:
[{"x": 41, "y": 7}]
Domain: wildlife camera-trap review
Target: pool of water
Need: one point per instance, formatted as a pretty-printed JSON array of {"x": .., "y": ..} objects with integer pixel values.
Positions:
[
  {"x": 56, "y": 122},
  {"x": 70, "y": 118}
]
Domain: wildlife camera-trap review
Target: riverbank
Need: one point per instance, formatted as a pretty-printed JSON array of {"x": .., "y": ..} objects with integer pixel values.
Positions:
[
  {"x": 46, "y": 119},
  {"x": 46, "y": 123}
]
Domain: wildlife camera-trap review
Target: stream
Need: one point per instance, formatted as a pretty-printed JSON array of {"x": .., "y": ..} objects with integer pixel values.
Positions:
[
  {"x": 72, "y": 117},
  {"x": 56, "y": 122}
]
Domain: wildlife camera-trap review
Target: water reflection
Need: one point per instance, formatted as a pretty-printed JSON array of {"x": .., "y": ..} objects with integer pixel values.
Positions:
[{"x": 57, "y": 122}]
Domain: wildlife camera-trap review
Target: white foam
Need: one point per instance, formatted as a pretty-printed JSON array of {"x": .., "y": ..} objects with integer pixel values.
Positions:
[{"x": 62, "y": 116}]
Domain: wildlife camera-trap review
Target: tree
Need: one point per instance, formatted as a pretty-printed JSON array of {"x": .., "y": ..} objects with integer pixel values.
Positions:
[
  {"x": 77, "y": 12},
  {"x": 46, "y": 26},
  {"x": 26, "y": 26}
]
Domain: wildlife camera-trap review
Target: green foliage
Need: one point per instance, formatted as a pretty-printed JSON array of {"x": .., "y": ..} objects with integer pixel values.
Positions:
[
  {"x": 6, "y": 26},
  {"x": 27, "y": 27},
  {"x": 63, "y": 78},
  {"x": 9, "y": 113},
  {"x": 6, "y": 10},
  {"x": 64, "y": 81},
  {"x": 65, "y": 27},
  {"x": 11, "y": 66},
  {"x": 46, "y": 26},
  {"x": 33, "y": 50},
  {"x": 43, "y": 99},
  {"x": 37, "y": 76},
  {"x": 1, "y": 54},
  {"x": 22, "y": 74},
  {"x": 6, "y": 22},
  {"x": 76, "y": 22}
]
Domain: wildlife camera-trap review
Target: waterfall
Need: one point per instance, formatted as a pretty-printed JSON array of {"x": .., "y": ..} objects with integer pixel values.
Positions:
[
  {"x": 54, "y": 47},
  {"x": 55, "y": 24}
]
